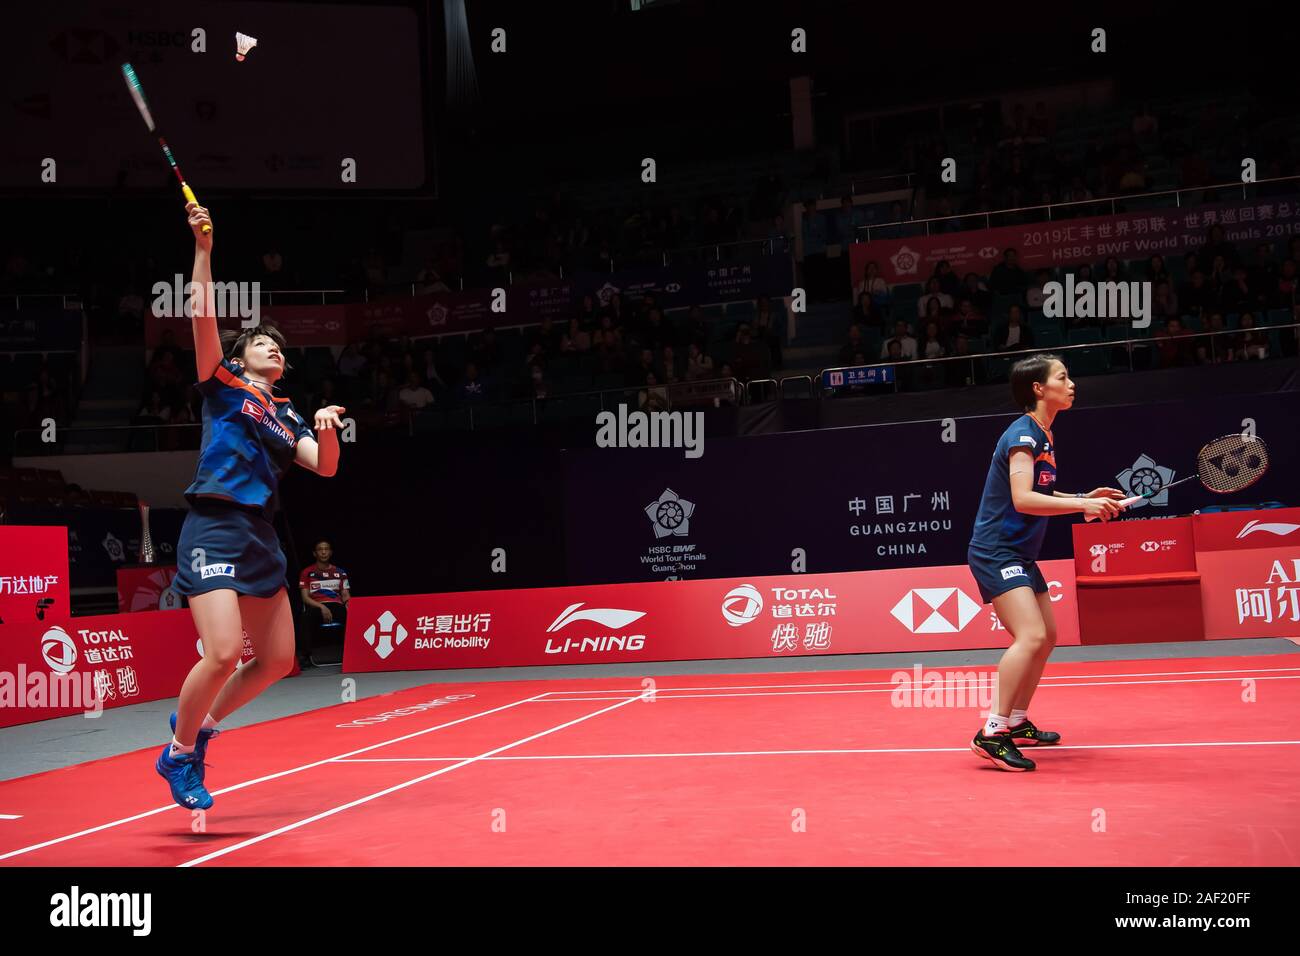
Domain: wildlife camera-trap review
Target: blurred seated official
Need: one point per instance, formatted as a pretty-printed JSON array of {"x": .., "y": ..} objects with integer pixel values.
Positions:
[{"x": 325, "y": 594}]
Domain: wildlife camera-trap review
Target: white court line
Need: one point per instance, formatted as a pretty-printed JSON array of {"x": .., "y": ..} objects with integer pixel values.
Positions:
[
  {"x": 401, "y": 786},
  {"x": 909, "y": 688},
  {"x": 249, "y": 783},
  {"x": 11, "y": 816},
  {"x": 786, "y": 753},
  {"x": 924, "y": 670}
]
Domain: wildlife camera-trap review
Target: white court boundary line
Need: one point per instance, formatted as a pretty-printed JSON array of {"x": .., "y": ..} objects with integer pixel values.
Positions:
[
  {"x": 864, "y": 750},
  {"x": 924, "y": 670},
  {"x": 248, "y": 783},
  {"x": 401, "y": 786},
  {"x": 11, "y": 816},
  {"x": 909, "y": 688}
]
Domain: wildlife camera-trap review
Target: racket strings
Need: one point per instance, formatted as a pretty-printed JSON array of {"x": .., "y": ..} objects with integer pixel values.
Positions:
[{"x": 1232, "y": 463}]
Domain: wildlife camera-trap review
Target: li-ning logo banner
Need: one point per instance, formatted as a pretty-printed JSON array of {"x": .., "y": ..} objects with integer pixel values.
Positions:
[{"x": 1279, "y": 528}]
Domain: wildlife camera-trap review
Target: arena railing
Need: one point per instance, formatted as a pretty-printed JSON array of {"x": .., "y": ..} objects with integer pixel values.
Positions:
[
  {"x": 1101, "y": 203},
  {"x": 1151, "y": 344}
]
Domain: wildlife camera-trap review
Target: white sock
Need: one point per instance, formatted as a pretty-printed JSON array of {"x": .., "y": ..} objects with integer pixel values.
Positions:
[
  {"x": 994, "y": 725},
  {"x": 1017, "y": 718},
  {"x": 209, "y": 722},
  {"x": 179, "y": 748}
]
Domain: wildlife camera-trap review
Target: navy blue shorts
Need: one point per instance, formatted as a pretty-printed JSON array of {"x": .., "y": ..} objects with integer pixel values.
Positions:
[
  {"x": 998, "y": 572},
  {"x": 228, "y": 546}
]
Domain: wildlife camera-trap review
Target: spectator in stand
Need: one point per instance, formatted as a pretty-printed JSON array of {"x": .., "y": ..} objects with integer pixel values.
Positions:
[
  {"x": 325, "y": 591},
  {"x": 1262, "y": 274},
  {"x": 429, "y": 371},
  {"x": 873, "y": 285},
  {"x": 154, "y": 411},
  {"x": 272, "y": 274},
  {"x": 654, "y": 397},
  {"x": 615, "y": 309},
  {"x": 1156, "y": 271},
  {"x": 323, "y": 395},
  {"x": 1164, "y": 304},
  {"x": 866, "y": 314},
  {"x": 1214, "y": 349},
  {"x": 977, "y": 290},
  {"x": 1173, "y": 345},
  {"x": 933, "y": 293},
  {"x": 588, "y": 315},
  {"x": 967, "y": 320},
  {"x": 932, "y": 345},
  {"x": 413, "y": 395},
  {"x": 609, "y": 354},
  {"x": 1216, "y": 245},
  {"x": 752, "y": 358},
  {"x": 487, "y": 354},
  {"x": 668, "y": 366},
  {"x": 1035, "y": 295},
  {"x": 893, "y": 351},
  {"x": 902, "y": 338},
  {"x": 1007, "y": 277},
  {"x": 1145, "y": 124},
  {"x": 1236, "y": 295},
  {"x": 1197, "y": 297},
  {"x": 1113, "y": 271},
  {"x": 1284, "y": 292},
  {"x": 654, "y": 333},
  {"x": 383, "y": 397},
  {"x": 168, "y": 344},
  {"x": 698, "y": 364},
  {"x": 1219, "y": 276},
  {"x": 1083, "y": 273},
  {"x": 765, "y": 333},
  {"x": 1251, "y": 343},
  {"x": 165, "y": 376},
  {"x": 351, "y": 366},
  {"x": 539, "y": 384},
  {"x": 852, "y": 346},
  {"x": 498, "y": 263},
  {"x": 697, "y": 325},
  {"x": 471, "y": 388},
  {"x": 1016, "y": 335},
  {"x": 645, "y": 366},
  {"x": 949, "y": 284},
  {"x": 578, "y": 339}
]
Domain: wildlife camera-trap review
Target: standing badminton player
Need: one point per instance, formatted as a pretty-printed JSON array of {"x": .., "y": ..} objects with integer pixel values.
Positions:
[
  {"x": 1019, "y": 496},
  {"x": 229, "y": 562}
]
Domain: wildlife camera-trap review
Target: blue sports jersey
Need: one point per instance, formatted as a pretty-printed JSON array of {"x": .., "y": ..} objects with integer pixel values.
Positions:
[
  {"x": 999, "y": 527},
  {"x": 249, "y": 440}
]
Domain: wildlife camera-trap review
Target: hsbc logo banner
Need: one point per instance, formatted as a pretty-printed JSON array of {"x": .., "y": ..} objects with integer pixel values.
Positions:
[{"x": 903, "y": 609}]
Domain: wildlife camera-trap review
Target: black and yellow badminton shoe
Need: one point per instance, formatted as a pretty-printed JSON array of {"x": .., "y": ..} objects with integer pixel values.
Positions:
[
  {"x": 1000, "y": 749},
  {"x": 1027, "y": 735}
]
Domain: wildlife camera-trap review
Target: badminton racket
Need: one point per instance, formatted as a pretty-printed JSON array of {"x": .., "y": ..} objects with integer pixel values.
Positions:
[
  {"x": 1227, "y": 464},
  {"x": 137, "y": 94}
]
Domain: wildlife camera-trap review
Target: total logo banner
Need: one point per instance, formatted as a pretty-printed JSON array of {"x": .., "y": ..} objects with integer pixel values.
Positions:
[
  {"x": 901, "y": 609},
  {"x": 125, "y": 658}
]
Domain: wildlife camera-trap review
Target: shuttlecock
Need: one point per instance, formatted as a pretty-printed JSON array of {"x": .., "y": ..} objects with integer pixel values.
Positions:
[{"x": 243, "y": 43}]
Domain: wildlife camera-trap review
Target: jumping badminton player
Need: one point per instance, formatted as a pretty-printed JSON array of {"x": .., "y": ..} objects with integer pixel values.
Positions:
[
  {"x": 230, "y": 565},
  {"x": 1019, "y": 496}
]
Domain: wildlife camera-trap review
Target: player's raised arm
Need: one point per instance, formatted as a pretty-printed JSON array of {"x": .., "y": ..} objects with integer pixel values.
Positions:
[{"x": 207, "y": 344}]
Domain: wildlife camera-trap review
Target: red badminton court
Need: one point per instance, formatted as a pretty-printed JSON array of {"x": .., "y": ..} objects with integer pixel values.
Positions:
[{"x": 1164, "y": 763}]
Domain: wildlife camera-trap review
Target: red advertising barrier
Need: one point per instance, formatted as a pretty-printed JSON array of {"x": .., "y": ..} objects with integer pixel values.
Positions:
[
  {"x": 33, "y": 575},
  {"x": 1137, "y": 235},
  {"x": 146, "y": 588},
  {"x": 922, "y": 609},
  {"x": 1250, "y": 570},
  {"x": 1123, "y": 548},
  {"x": 86, "y": 664}
]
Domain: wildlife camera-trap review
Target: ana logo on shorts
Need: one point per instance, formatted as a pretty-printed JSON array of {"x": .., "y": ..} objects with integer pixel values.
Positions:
[
  {"x": 384, "y": 637},
  {"x": 59, "y": 650},
  {"x": 1014, "y": 571},
  {"x": 742, "y": 605},
  {"x": 217, "y": 571}
]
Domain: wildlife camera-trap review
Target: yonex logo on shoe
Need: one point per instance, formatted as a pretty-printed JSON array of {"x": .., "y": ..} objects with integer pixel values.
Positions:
[{"x": 76, "y": 909}]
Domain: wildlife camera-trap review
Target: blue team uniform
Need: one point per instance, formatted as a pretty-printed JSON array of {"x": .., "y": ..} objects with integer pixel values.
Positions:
[
  {"x": 1004, "y": 546},
  {"x": 249, "y": 442}
]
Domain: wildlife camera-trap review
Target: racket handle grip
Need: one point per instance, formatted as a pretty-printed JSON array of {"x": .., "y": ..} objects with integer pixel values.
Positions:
[
  {"x": 1124, "y": 505},
  {"x": 189, "y": 197}
]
